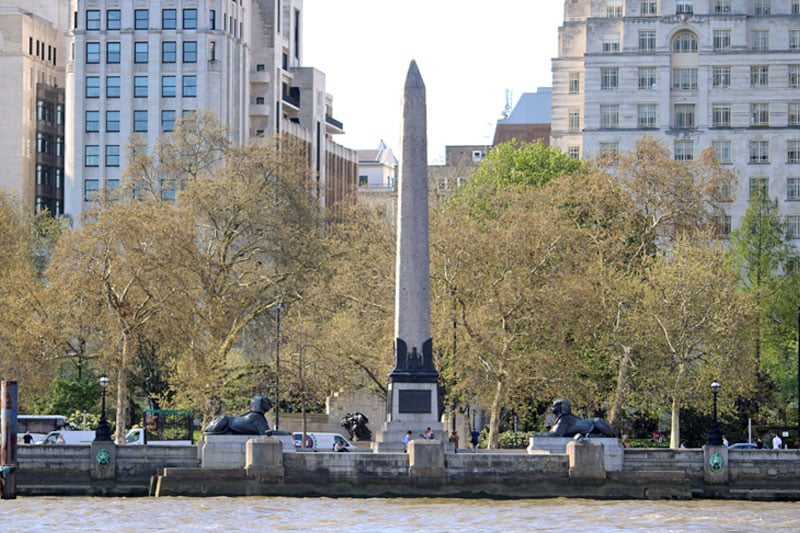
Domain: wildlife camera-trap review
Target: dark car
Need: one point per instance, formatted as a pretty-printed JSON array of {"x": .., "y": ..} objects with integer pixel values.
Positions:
[{"x": 744, "y": 446}]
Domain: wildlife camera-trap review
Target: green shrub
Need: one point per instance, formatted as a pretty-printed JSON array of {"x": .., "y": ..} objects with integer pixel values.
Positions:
[{"x": 511, "y": 440}]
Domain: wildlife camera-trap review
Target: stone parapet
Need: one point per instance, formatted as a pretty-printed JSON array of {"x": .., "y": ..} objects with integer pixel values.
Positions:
[{"x": 612, "y": 449}]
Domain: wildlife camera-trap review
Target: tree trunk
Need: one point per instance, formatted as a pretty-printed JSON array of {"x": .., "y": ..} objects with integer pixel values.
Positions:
[
  {"x": 122, "y": 393},
  {"x": 623, "y": 371},
  {"x": 675, "y": 425},
  {"x": 494, "y": 419}
]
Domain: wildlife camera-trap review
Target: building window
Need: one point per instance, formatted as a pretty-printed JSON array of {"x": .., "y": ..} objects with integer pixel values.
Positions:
[
  {"x": 721, "y": 77},
  {"x": 794, "y": 39},
  {"x": 141, "y": 19},
  {"x": 793, "y": 152},
  {"x": 647, "y": 77},
  {"x": 794, "y": 76},
  {"x": 760, "y": 39},
  {"x": 647, "y": 116},
  {"x": 610, "y": 42},
  {"x": 609, "y": 78},
  {"x": 759, "y": 152},
  {"x": 169, "y": 19},
  {"x": 91, "y": 155},
  {"x": 92, "y": 53},
  {"x": 92, "y": 87},
  {"x": 112, "y": 155},
  {"x": 721, "y": 115},
  {"x": 685, "y": 43},
  {"x": 759, "y": 115},
  {"x": 169, "y": 52},
  {"x": 113, "y": 51},
  {"x": 168, "y": 86},
  {"x": 614, "y": 8},
  {"x": 92, "y": 19},
  {"x": 167, "y": 189},
  {"x": 793, "y": 188},
  {"x": 792, "y": 226},
  {"x": 574, "y": 120},
  {"x": 90, "y": 188},
  {"x": 189, "y": 86},
  {"x": 722, "y": 225},
  {"x": 649, "y": 7},
  {"x": 59, "y": 147},
  {"x": 60, "y": 114},
  {"x": 722, "y": 39},
  {"x": 140, "y": 86},
  {"x": 684, "y": 150},
  {"x": 574, "y": 82},
  {"x": 759, "y": 184},
  {"x": 722, "y": 6},
  {"x": 212, "y": 19},
  {"x": 140, "y": 121},
  {"x": 647, "y": 40},
  {"x": 574, "y": 152},
  {"x": 112, "y": 121},
  {"x": 190, "y": 51},
  {"x": 113, "y": 19},
  {"x": 684, "y": 78},
  {"x": 759, "y": 76},
  {"x": 92, "y": 121},
  {"x": 189, "y": 19},
  {"x": 141, "y": 52},
  {"x": 762, "y": 7},
  {"x": 685, "y": 7},
  {"x": 794, "y": 114},
  {"x": 112, "y": 86},
  {"x": 723, "y": 151},
  {"x": 610, "y": 150},
  {"x": 42, "y": 143},
  {"x": 795, "y": 7},
  {"x": 684, "y": 116},
  {"x": 167, "y": 120},
  {"x": 609, "y": 116}
]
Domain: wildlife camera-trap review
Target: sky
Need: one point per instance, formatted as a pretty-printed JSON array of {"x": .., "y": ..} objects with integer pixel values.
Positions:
[{"x": 469, "y": 53}]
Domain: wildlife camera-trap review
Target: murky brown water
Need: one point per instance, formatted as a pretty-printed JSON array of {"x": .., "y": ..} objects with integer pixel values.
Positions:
[{"x": 380, "y": 514}]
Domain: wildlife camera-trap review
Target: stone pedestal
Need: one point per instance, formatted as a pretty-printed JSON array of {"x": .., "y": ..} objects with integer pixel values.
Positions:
[
  {"x": 586, "y": 460},
  {"x": 426, "y": 461},
  {"x": 264, "y": 457},
  {"x": 104, "y": 458},
  {"x": 613, "y": 452},
  {"x": 230, "y": 451},
  {"x": 715, "y": 464}
]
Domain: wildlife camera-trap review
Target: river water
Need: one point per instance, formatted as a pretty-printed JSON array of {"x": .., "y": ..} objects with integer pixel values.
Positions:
[{"x": 380, "y": 514}]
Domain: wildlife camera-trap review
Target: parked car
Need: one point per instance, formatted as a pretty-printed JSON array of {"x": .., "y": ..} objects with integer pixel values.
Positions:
[
  {"x": 68, "y": 437},
  {"x": 321, "y": 441},
  {"x": 744, "y": 446}
]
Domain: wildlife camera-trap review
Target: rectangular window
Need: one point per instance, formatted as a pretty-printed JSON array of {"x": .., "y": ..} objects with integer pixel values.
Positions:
[
  {"x": 760, "y": 39},
  {"x": 609, "y": 150},
  {"x": 212, "y": 19},
  {"x": 759, "y": 184},
  {"x": 647, "y": 77},
  {"x": 141, "y": 52},
  {"x": 684, "y": 78},
  {"x": 574, "y": 82},
  {"x": 794, "y": 76},
  {"x": 190, "y": 51},
  {"x": 140, "y": 121},
  {"x": 722, "y": 39},
  {"x": 92, "y": 155},
  {"x": 167, "y": 120},
  {"x": 92, "y": 53},
  {"x": 721, "y": 77},
  {"x": 140, "y": 86},
  {"x": 647, "y": 116},
  {"x": 649, "y": 7},
  {"x": 793, "y": 188},
  {"x": 794, "y": 114},
  {"x": 721, "y": 115},
  {"x": 684, "y": 150},
  {"x": 92, "y": 121},
  {"x": 611, "y": 42},
  {"x": 189, "y": 19},
  {"x": 168, "y": 86},
  {"x": 112, "y": 155},
  {"x": 189, "y": 86},
  {"x": 792, "y": 226},
  {"x": 90, "y": 188},
  {"x": 167, "y": 189},
  {"x": 759, "y": 76},
  {"x": 113, "y": 52},
  {"x": 112, "y": 121},
  {"x": 169, "y": 52},
  {"x": 685, "y": 7},
  {"x": 759, "y": 152},
  {"x": 795, "y": 7},
  {"x": 141, "y": 19},
  {"x": 793, "y": 152},
  {"x": 112, "y": 86},
  {"x": 574, "y": 120},
  {"x": 762, "y": 7},
  {"x": 609, "y": 78},
  {"x": 684, "y": 116},
  {"x": 794, "y": 39},
  {"x": 574, "y": 152},
  {"x": 759, "y": 115},
  {"x": 93, "y": 87},
  {"x": 647, "y": 40},
  {"x": 92, "y": 19},
  {"x": 609, "y": 116},
  {"x": 723, "y": 151},
  {"x": 722, "y": 6},
  {"x": 722, "y": 226},
  {"x": 614, "y": 8},
  {"x": 169, "y": 19},
  {"x": 113, "y": 19}
]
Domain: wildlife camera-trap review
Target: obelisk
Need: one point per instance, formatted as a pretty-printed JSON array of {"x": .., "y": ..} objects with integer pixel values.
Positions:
[{"x": 412, "y": 402}]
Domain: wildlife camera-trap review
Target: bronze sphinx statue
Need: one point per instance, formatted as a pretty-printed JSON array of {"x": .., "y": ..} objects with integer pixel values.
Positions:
[
  {"x": 569, "y": 425},
  {"x": 253, "y": 422}
]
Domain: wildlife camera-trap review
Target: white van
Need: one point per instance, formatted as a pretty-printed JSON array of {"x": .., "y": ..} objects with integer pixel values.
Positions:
[
  {"x": 321, "y": 441},
  {"x": 69, "y": 437}
]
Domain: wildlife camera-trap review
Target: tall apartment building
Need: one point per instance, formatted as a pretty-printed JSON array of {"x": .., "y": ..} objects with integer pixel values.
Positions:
[
  {"x": 693, "y": 73},
  {"x": 136, "y": 66}
]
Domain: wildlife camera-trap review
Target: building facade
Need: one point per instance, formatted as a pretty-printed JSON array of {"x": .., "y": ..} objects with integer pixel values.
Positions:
[{"x": 692, "y": 73}]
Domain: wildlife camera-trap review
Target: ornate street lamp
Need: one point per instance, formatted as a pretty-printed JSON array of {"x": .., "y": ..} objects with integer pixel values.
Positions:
[
  {"x": 103, "y": 431},
  {"x": 715, "y": 433}
]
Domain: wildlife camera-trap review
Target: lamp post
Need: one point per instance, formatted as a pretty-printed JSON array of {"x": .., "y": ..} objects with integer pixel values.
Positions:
[
  {"x": 715, "y": 433},
  {"x": 103, "y": 431},
  {"x": 278, "y": 364}
]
